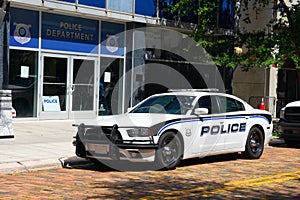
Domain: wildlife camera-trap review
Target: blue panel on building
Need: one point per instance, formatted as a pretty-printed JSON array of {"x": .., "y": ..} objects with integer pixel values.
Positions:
[
  {"x": 67, "y": 33},
  {"x": 24, "y": 28},
  {"x": 112, "y": 38},
  {"x": 71, "y": 1},
  {"x": 145, "y": 7},
  {"x": 95, "y": 3}
]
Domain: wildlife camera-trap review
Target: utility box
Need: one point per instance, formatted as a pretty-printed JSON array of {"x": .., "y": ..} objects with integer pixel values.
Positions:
[{"x": 6, "y": 130}]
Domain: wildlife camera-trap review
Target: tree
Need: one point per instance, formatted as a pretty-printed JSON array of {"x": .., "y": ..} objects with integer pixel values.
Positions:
[{"x": 278, "y": 42}]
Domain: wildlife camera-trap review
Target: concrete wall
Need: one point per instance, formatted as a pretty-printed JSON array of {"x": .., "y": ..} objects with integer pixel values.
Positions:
[
  {"x": 256, "y": 83},
  {"x": 250, "y": 83}
]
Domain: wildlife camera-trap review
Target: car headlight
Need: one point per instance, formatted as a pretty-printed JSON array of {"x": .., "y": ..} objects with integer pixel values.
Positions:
[
  {"x": 282, "y": 111},
  {"x": 139, "y": 132}
]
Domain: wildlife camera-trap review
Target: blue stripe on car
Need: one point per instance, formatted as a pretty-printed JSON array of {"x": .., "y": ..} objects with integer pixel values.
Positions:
[{"x": 208, "y": 119}]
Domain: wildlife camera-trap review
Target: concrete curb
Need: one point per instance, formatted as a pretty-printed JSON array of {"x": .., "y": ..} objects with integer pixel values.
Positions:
[
  {"x": 35, "y": 165},
  {"x": 27, "y": 166}
]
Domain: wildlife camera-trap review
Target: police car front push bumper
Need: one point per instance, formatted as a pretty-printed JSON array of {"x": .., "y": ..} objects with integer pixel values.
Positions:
[{"x": 111, "y": 145}]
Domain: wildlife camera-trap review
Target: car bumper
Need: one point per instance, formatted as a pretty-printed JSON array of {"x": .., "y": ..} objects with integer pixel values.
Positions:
[
  {"x": 108, "y": 146},
  {"x": 115, "y": 152},
  {"x": 289, "y": 131}
]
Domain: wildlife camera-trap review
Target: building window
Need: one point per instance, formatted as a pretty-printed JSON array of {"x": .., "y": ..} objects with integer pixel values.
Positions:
[
  {"x": 23, "y": 82},
  {"x": 120, "y": 5},
  {"x": 110, "y": 86},
  {"x": 226, "y": 17}
]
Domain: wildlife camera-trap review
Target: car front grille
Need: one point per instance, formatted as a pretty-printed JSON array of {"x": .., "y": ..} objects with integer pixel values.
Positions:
[
  {"x": 101, "y": 134},
  {"x": 292, "y": 114}
]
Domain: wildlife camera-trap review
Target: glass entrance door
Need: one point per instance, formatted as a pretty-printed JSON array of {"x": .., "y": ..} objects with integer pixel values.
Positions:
[
  {"x": 68, "y": 87},
  {"x": 83, "y": 88}
]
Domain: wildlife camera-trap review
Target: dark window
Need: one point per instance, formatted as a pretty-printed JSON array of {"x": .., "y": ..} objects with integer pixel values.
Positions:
[
  {"x": 226, "y": 16},
  {"x": 169, "y": 104},
  {"x": 210, "y": 103},
  {"x": 230, "y": 105},
  {"x": 23, "y": 85}
]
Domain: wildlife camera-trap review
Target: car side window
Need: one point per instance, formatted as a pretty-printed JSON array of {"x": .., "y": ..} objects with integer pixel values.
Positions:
[
  {"x": 228, "y": 104},
  {"x": 209, "y": 102}
]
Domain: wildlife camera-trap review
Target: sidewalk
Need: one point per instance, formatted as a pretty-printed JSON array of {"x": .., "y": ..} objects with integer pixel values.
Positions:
[{"x": 37, "y": 145}]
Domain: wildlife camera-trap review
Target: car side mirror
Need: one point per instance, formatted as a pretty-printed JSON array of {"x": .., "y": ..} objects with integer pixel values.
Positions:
[{"x": 201, "y": 111}]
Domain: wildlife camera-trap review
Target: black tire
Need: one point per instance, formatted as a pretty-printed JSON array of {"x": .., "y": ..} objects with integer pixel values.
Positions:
[
  {"x": 80, "y": 148},
  {"x": 255, "y": 144},
  {"x": 169, "y": 152}
]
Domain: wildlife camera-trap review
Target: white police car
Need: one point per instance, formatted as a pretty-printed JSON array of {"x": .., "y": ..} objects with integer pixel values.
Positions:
[{"x": 182, "y": 124}]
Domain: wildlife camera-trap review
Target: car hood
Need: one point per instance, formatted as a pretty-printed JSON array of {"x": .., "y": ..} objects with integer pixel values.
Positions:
[
  {"x": 293, "y": 104},
  {"x": 134, "y": 119}
]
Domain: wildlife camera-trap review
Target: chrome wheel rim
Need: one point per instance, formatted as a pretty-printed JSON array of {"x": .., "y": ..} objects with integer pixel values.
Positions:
[
  {"x": 170, "y": 150},
  {"x": 255, "y": 142}
]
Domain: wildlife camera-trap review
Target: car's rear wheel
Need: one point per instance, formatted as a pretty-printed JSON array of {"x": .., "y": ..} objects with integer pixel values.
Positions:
[
  {"x": 169, "y": 151},
  {"x": 255, "y": 143}
]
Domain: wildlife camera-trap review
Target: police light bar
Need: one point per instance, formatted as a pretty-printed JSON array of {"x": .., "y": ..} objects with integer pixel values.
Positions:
[{"x": 195, "y": 90}]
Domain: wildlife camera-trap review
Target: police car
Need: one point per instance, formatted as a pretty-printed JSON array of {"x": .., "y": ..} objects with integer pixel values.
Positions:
[{"x": 181, "y": 124}]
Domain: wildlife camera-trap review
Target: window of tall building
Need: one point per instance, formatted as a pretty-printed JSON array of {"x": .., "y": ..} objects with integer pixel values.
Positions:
[{"x": 120, "y": 5}]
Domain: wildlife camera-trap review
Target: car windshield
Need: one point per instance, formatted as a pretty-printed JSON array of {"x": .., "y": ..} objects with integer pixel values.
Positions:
[{"x": 168, "y": 104}]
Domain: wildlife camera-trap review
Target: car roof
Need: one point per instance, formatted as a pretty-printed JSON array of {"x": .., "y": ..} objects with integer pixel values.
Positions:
[
  {"x": 199, "y": 94},
  {"x": 193, "y": 93}
]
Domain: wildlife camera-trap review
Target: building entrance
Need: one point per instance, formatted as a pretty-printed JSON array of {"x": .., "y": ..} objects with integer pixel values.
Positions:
[{"x": 68, "y": 89}]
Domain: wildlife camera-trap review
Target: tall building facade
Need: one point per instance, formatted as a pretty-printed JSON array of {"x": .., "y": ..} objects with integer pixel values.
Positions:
[{"x": 80, "y": 58}]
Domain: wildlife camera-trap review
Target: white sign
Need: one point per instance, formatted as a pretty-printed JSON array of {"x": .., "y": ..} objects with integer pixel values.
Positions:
[
  {"x": 51, "y": 104},
  {"x": 24, "y": 72},
  {"x": 107, "y": 77}
]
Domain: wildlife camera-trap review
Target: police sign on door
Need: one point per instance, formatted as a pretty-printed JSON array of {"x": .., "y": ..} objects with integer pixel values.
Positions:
[{"x": 51, "y": 103}]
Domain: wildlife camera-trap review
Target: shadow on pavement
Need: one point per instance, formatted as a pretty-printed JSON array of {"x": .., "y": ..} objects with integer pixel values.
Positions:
[
  {"x": 95, "y": 165},
  {"x": 105, "y": 166},
  {"x": 279, "y": 142}
]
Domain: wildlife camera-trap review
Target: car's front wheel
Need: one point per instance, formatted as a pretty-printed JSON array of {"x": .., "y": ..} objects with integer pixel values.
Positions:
[
  {"x": 255, "y": 143},
  {"x": 169, "y": 151},
  {"x": 79, "y": 148}
]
